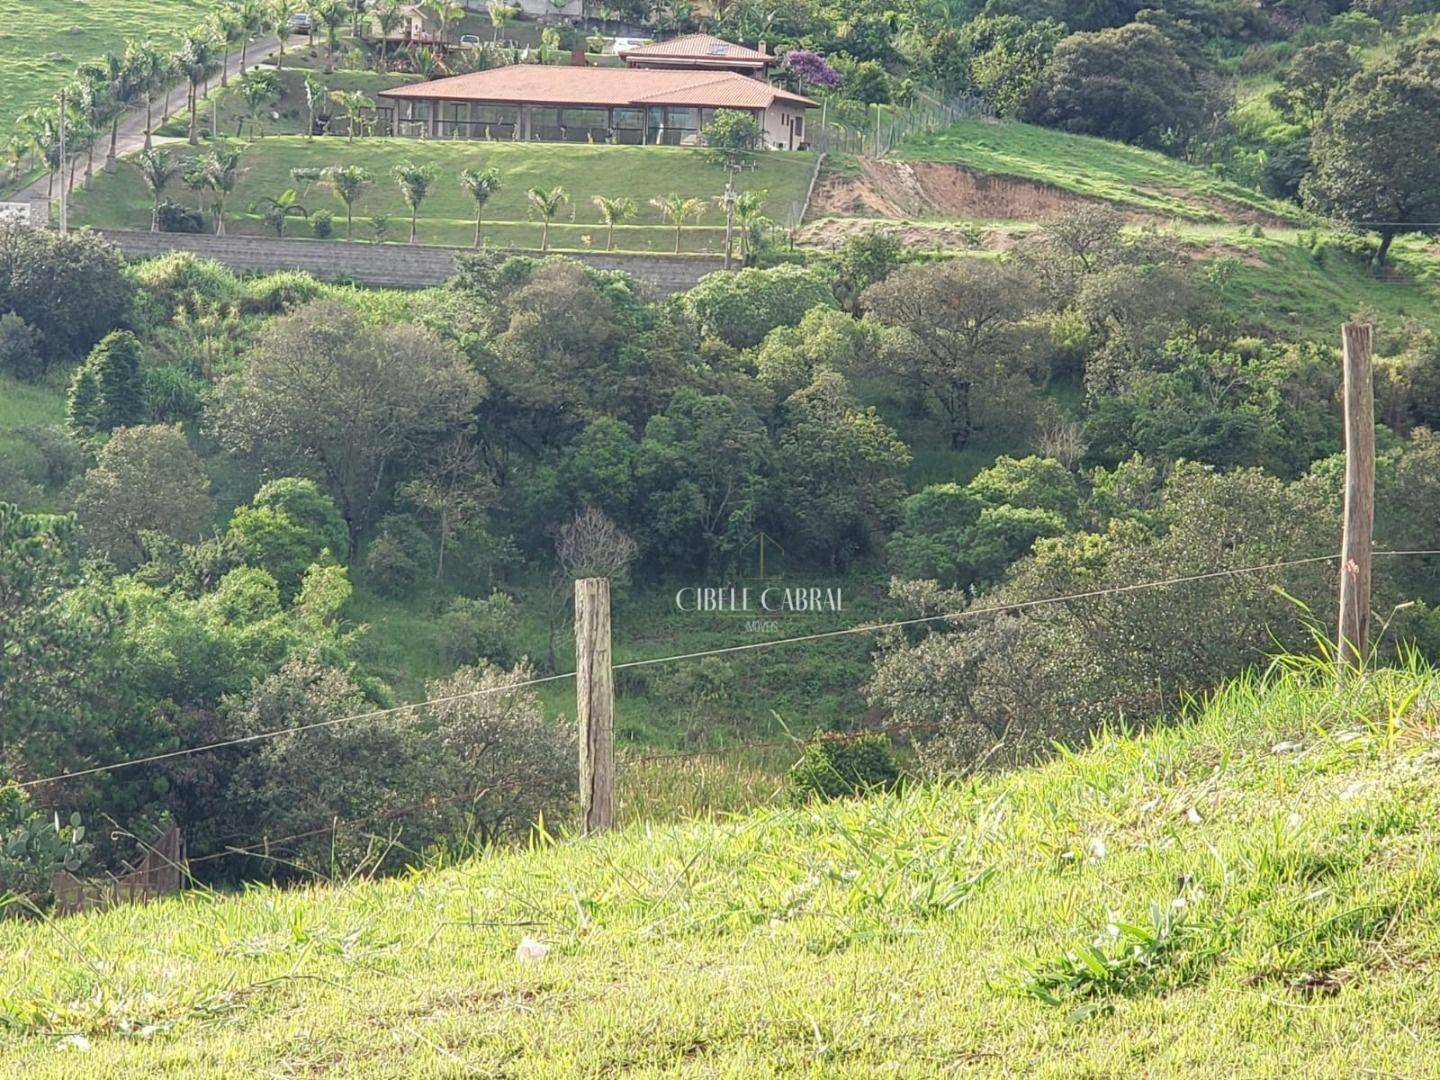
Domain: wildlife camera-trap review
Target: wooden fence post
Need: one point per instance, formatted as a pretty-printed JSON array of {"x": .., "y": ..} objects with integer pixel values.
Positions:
[
  {"x": 595, "y": 703},
  {"x": 1352, "y": 645}
]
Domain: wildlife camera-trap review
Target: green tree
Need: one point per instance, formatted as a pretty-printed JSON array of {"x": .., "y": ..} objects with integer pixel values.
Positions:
[
  {"x": 1311, "y": 78},
  {"x": 146, "y": 480},
  {"x": 848, "y": 464},
  {"x": 158, "y": 168},
  {"x": 259, "y": 88},
  {"x": 1375, "y": 165},
  {"x": 1127, "y": 83},
  {"x": 347, "y": 182},
  {"x": 321, "y": 387},
  {"x": 480, "y": 184},
  {"x": 72, "y": 288},
  {"x": 316, "y": 95},
  {"x": 220, "y": 170},
  {"x": 414, "y": 182},
  {"x": 288, "y": 527},
  {"x": 354, "y": 102},
  {"x": 699, "y": 475},
  {"x": 678, "y": 210},
  {"x": 547, "y": 202},
  {"x": 616, "y": 210},
  {"x": 958, "y": 326},
  {"x": 731, "y": 134},
  {"x": 107, "y": 391},
  {"x": 741, "y": 308}
]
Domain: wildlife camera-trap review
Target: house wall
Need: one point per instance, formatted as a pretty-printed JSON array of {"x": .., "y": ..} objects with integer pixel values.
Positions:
[{"x": 784, "y": 127}]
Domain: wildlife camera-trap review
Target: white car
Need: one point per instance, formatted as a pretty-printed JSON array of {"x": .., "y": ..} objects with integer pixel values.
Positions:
[
  {"x": 625, "y": 44},
  {"x": 302, "y": 23},
  {"x": 469, "y": 41}
]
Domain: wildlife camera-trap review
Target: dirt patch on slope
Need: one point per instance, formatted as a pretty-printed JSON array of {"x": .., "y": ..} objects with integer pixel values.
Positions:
[{"x": 901, "y": 189}]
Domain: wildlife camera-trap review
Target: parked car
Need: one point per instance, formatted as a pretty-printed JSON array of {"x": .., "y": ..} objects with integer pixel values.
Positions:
[
  {"x": 469, "y": 41},
  {"x": 624, "y": 44},
  {"x": 302, "y": 23}
]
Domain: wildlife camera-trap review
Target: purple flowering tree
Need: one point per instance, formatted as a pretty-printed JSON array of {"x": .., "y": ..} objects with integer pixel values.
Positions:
[{"x": 810, "y": 68}]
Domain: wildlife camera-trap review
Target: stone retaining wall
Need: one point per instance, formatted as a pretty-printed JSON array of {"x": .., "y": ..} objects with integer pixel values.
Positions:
[{"x": 402, "y": 266}]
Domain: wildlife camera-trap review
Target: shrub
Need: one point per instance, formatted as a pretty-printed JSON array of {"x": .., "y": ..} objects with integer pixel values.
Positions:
[
  {"x": 474, "y": 629},
  {"x": 172, "y": 394},
  {"x": 322, "y": 223},
  {"x": 34, "y": 846},
  {"x": 835, "y": 767},
  {"x": 740, "y": 309},
  {"x": 72, "y": 288},
  {"x": 396, "y": 560},
  {"x": 20, "y": 355},
  {"x": 174, "y": 218},
  {"x": 275, "y": 294}
]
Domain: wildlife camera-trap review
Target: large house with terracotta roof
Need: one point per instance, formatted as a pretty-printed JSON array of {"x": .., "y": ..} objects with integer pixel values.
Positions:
[{"x": 665, "y": 95}]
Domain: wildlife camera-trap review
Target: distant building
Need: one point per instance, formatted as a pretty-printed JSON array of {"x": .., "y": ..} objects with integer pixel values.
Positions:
[{"x": 665, "y": 95}]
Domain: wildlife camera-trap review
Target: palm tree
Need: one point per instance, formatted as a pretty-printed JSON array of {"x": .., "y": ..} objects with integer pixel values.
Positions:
[
  {"x": 448, "y": 13},
  {"x": 275, "y": 210},
  {"x": 147, "y": 68},
  {"x": 122, "y": 84},
  {"x": 749, "y": 215},
  {"x": 281, "y": 11},
  {"x": 195, "y": 174},
  {"x": 480, "y": 184},
  {"x": 347, "y": 182},
  {"x": 333, "y": 14},
  {"x": 316, "y": 94},
  {"x": 193, "y": 59},
  {"x": 158, "y": 168},
  {"x": 16, "y": 148},
  {"x": 498, "y": 11},
  {"x": 250, "y": 18},
  {"x": 221, "y": 172},
  {"x": 547, "y": 204},
  {"x": 259, "y": 88},
  {"x": 678, "y": 210},
  {"x": 616, "y": 211},
  {"x": 387, "y": 18},
  {"x": 414, "y": 181},
  {"x": 92, "y": 99},
  {"x": 354, "y": 102}
]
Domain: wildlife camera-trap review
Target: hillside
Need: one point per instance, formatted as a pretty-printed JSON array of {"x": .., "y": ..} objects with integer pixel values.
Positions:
[
  {"x": 447, "y": 216},
  {"x": 41, "y": 41},
  {"x": 1260, "y": 882}
]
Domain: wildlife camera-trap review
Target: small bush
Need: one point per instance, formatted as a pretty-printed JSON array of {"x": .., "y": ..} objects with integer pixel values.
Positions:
[
  {"x": 836, "y": 767},
  {"x": 34, "y": 846},
  {"x": 396, "y": 560},
  {"x": 20, "y": 355},
  {"x": 322, "y": 223},
  {"x": 175, "y": 218},
  {"x": 473, "y": 629},
  {"x": 275, "y": 294},
  {"x": 172, "y": 394}
]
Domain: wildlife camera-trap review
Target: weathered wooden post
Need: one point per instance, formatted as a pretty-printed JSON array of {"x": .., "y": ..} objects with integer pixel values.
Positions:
[
  {"x": 1352, "y": 645},
  {"x": 595, "y": 703}
]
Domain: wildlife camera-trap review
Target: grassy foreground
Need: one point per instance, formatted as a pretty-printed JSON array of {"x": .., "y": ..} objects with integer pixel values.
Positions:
[
  {"x": 1254, "y": 891},
  {"x": 121, "y": 200}
]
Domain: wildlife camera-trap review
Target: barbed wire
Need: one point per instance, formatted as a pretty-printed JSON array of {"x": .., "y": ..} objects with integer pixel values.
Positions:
[{"x": 993, "y": 609}]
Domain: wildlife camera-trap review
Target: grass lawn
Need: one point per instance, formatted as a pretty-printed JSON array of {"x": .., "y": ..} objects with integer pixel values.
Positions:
[
  {"x": 1142, "y": 179},
  {"x": 1252, "y": 892},
  {"x": 1278, "y": 287},
  {"x": 120, "y": 200},
  {"x": 73, "y": 32}
]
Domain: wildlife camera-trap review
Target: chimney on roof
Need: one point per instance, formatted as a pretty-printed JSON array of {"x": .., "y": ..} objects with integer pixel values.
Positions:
[
  {"x": 761, "y": 46},
  {"x": 577, "y": 57}
]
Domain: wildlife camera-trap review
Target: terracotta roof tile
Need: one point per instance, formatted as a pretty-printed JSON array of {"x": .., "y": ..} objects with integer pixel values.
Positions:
[
  {"x": 699, "y": 47},
  {"x": 542, "y": 84}
]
